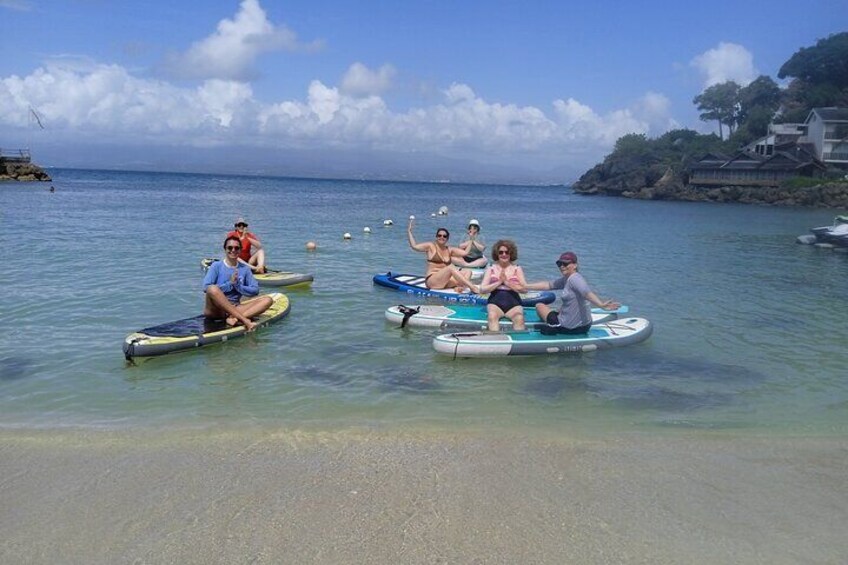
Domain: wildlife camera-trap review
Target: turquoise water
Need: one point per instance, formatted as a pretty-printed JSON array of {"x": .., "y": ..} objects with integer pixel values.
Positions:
[{"x": 750, "y": 328}]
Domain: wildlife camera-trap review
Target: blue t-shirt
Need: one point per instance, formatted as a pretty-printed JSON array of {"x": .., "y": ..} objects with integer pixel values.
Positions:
[
  {"x": 219, "y": 274},
  {"x": 575, "y": 310}
]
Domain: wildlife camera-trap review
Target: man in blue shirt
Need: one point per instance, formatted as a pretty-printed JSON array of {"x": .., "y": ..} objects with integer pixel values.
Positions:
[{"x": 227, "y": 283}]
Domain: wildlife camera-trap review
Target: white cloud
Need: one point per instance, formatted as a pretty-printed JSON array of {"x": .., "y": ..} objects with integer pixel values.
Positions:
[
  {"x": 359, "y": 80},
  {"x": 106, "y": 102},
  {"x": 230, "y": 52},
  {"x": 727, "y": 61}
]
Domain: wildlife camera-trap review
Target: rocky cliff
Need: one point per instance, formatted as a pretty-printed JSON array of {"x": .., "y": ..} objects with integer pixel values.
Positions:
[
  {"x": 657, "y": 182},
  {"x": 22, "y": 172}
]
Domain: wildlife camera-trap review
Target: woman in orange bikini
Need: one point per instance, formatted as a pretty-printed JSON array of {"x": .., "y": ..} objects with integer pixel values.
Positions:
[
  {"x": 441, "y": 273},
  {"x": 504, "y": 280}
]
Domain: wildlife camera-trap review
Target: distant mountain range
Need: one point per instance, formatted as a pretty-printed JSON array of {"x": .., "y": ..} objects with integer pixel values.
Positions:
[{"x": 309, "y": 163}]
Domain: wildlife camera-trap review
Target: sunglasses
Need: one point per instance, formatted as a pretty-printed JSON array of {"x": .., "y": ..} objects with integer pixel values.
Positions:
[
  {"x": 233, "y": 248},
  {"x": 442, "y": 235},
  {"x": 241, "y": 225},
  {"x": 563, "y": 263},
  {"x": 503, "y": 252}
]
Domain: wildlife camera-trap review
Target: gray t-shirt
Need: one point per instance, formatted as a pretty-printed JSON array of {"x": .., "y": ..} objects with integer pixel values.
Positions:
[
  {"x": 473, "y": 252},
  {"x": 575, "y": 310}
]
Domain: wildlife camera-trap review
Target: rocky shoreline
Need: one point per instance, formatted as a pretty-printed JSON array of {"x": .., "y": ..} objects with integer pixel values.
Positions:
[
  {"x": 652, "y": 183},
  {"x": 25, "y": 172}
]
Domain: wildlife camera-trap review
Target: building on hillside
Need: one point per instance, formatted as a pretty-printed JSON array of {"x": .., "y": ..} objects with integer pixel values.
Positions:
[
  {"x": 827, "y": 131},
  {"x": 778, "y": 135},
  {"x": 748, "y": 168}
]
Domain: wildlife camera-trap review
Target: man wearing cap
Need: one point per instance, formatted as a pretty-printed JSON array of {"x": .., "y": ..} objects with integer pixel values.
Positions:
[
  {"x": 252, "y": 253},
  {"x": 474, "y": 247},
  {"x": 575, "y": 314}
]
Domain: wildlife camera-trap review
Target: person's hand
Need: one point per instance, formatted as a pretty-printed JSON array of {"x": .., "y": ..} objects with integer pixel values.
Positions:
[
  {"x": 234, "y": 278},
  {"x": 611, "y": 305}
]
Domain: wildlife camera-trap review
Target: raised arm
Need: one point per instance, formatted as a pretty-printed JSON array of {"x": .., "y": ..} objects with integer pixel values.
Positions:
[
  {"x": 411, "y": 238},
  {"x": 254, "y": 240}
]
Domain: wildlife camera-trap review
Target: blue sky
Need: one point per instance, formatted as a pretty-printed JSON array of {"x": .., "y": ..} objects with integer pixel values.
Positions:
[{"x": 535, "y": 90}]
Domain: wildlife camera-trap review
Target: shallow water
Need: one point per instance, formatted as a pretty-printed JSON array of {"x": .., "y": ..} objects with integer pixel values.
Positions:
[{"x": 749, "y": 327}]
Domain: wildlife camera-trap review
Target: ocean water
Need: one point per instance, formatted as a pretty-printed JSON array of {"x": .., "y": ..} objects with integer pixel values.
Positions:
[{"x": 749, "y": 335}]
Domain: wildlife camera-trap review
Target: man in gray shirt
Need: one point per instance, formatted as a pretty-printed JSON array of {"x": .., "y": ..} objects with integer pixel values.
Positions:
[{"x": 575, "y": 314}]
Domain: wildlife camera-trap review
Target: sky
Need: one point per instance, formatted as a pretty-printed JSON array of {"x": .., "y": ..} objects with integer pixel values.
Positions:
[{"x": 505, "y": 91}]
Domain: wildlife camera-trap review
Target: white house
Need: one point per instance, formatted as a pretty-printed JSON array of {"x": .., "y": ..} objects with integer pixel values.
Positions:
[
  {"x": 827, "y": 131},
  {"x": 778, "y": 134}
]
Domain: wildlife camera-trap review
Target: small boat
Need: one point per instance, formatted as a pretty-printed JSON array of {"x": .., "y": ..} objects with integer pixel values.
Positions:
[
  {"x": 836, "y": 233},
  {"x": 272, "y": 277}
]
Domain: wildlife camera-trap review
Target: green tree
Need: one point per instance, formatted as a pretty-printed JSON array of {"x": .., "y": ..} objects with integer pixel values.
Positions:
[
  {"x": 826, "y": 62},
  {"x": 819, "y": 77},
  {"x": 720, "y": 102},
  {"x": 632, "y": 145}
]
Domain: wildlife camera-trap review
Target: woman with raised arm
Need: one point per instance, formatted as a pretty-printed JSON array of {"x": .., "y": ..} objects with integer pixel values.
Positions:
[{"x": 440, "y": 272}]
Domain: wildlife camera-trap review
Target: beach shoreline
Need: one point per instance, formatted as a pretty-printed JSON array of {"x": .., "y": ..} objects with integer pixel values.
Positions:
[{"x": 366, "y": 496}]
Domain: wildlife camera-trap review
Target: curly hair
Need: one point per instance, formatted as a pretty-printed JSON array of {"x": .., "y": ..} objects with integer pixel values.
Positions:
[{"x": 509, "y": 244}]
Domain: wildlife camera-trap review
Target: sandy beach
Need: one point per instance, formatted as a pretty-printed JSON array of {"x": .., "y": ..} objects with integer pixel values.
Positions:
[{"x": 280, "y": 496}]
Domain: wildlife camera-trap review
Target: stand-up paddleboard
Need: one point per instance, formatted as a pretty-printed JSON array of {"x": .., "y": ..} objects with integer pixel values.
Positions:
[
  {"x": 473, "y": 317},
  {"x": 196, "y": 332},
  {"x": 615, "y": 333},
  {"x": 273, "y": 277},
  {"x": 414, "y": 284}
]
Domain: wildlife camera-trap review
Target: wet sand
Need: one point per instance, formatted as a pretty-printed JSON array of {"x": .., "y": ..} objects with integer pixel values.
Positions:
[{"x": 259, "y": 496}]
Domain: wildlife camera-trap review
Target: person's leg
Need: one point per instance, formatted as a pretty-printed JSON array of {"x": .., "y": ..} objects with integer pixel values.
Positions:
[
  {"x": 493, "y": 315},
  {"x": 217, "y": 304},
  {"x": 479, "y": 262},
  {"x": 438, "y": 280},
  {"x": 543, "y": 310},
  {"x": 258, "y": 259},
  {"x": 516, "y": 314},
  {"x": 252, "y": 307},
  {"x": 461, "y": 280}
]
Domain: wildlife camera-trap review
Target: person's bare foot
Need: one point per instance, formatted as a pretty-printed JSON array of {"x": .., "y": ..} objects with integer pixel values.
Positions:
[
  {"x": 232, "y": 320},
  {"x": 249, "y": 326}
]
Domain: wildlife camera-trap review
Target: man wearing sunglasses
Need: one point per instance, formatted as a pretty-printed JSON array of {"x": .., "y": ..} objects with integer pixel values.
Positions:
[
  {"x": 575, "y": 314},
  {"x": 231, "y": 289},
  {"x": 252, "y": 252}
]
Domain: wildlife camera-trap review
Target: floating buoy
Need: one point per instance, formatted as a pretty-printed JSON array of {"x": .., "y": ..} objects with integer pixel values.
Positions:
[
  {"x": 443, "y": 211},
  {"x": 346, "y": 236},
  {"x": 412, "y": 217},
  {"x": 387, "y": 223},
  {"x": 311, "y": 246},
  {"x": 366, "y": 229}
]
